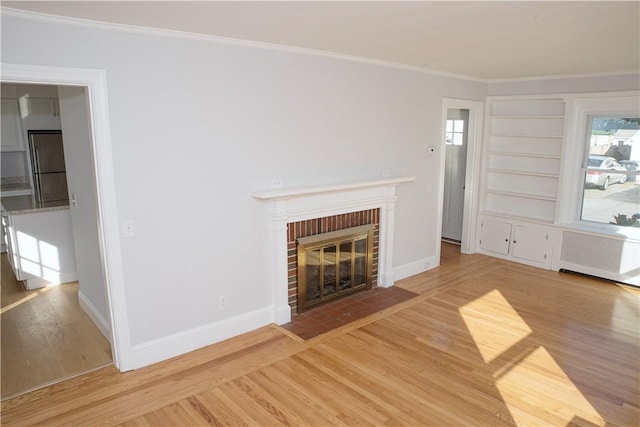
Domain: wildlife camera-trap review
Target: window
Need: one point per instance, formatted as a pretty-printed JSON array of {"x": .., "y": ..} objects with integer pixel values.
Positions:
[
  {"x": 611, "y": 190},
  {"x": 455, "y": 132}
]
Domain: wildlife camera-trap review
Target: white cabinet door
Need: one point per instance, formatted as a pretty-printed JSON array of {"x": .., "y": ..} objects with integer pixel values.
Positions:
[
  {"x": 40, "y": 113},
  {"x": 45, "y": 107},
  {"x": 529, "y": 243},
  {"x": 12, "y": 135},
  {"x": 495, "y": 236}
]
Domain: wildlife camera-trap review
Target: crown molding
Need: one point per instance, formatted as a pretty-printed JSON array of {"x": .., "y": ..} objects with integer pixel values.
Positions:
[
  {"x": 134, "y": 29},
  {"x": 567, "y": 76}
]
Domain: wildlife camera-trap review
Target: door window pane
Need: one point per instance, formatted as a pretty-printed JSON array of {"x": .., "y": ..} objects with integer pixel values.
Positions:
[{"x": 454, "y": 132}]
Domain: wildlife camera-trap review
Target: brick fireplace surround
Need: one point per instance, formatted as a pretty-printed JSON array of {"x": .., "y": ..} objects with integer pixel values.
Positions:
[{"x": 298, "y": 205}]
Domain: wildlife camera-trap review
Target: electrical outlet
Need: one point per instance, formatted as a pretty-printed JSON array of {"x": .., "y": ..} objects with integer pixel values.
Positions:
[
  {"x": 223, "y": 302},
  {"x": 276, "y": 183}
]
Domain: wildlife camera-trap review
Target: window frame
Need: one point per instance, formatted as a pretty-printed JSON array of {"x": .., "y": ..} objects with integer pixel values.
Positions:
[
  {"x": 453, "y": 131},
  {"x": 605, "y": 164},
  {"x": 579, "y": 109}
]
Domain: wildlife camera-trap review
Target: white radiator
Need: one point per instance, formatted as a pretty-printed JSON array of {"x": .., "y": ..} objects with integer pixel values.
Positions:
[{"x": 602, "y": 256}]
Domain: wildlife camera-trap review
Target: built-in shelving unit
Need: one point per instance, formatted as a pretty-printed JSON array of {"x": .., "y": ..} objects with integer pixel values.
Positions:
[{"x": 523, "y": 147}]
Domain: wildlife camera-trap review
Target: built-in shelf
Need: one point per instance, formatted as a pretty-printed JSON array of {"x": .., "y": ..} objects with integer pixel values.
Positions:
[
  {"x": 517, "y": 154},
  {"x": 511, "y": 135},
  {"x": 527, "y": 117},
  {"x": 522, "y": 172},
  {"x": 522, "y": 195},
  {"x": 533, "y": 219}
]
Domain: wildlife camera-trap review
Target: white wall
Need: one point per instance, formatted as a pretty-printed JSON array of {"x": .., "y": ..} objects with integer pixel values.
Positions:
[{"x": 197, "y": 125}]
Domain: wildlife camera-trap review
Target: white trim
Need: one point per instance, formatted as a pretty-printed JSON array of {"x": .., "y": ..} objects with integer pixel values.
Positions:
[
  {"x": 174, "y": 345},
  {"x": 472, "y": 177},
  {"x": 108, "y": 230},
  {"x": 416, "y": 267},
  {"x": 135, "y": 29},
  {"x": 95, "y": 316},
  {"x": 609, "y": 275},
  {"x": 578, "y": 107},
  {"x": 286, "y": 193},
  {"x": 292, "y": 205},
  {"x": 565, "y": 96},
  {"x": 565, "y": 76}
]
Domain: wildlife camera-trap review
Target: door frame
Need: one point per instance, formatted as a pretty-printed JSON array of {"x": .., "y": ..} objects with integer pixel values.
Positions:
[
  {"x": 472, "y": 178},
  {"x": 94, "y": 81}
]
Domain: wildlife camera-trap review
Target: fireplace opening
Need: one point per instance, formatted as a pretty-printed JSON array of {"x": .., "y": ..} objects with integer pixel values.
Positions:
[{"x": 335, "y": 264}]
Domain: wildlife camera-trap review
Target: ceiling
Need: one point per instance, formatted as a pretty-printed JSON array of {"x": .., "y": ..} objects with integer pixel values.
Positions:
[{"x": 483, "y": 40}]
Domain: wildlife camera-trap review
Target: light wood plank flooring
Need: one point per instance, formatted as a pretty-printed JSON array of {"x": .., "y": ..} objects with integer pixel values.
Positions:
[
  {"x": 46, "y": 336},
  {"x": 486, "y": 342}
]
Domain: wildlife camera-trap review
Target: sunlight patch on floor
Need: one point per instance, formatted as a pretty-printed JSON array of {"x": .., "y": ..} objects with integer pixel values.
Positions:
[
  {"x": 526, "y": 375},
  {"x": 530, "y": 383},
  {"x": 481, "y": 327},
  {"x": 25, "y": 299}
]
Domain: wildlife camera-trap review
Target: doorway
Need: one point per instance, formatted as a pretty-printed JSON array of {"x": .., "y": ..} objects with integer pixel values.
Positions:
[
  {"x": 56, "y": 332},
  {"x": 456, "y": 131},
  {"x": 94, "y": 82},
  {"x": 460, "y": 160}
]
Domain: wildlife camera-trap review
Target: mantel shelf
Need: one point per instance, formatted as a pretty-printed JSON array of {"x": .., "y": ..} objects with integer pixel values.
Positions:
[{"x": 287, "y": 193}]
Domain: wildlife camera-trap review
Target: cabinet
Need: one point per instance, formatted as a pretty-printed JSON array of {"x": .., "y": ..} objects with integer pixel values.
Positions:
[
  {"x": 40, "y": 113},
  {"x": 523, "y": 147},
  {"x": 43, "y": 107},
  {"x": 39, "y": 244},
  {"x": 517, "y": 241},
  {"x": 12, "y": 132}
]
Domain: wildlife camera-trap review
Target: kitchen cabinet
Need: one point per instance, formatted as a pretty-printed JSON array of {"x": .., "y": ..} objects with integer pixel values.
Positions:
[
  {"x": 40, "y": 113},
  {"x": 39, "y": 242},
  {"x": 44, "y": 107},
  {"x": 517, "y": 241},
  {"x": 12, "y": 131}
]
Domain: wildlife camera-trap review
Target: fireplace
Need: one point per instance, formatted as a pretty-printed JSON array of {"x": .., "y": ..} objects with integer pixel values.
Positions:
[
  {"x": 295, "y": 208},
  {"x": 333, "y": 265}
]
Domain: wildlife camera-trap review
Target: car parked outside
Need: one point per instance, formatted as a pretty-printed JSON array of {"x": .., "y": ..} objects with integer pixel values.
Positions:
[
  {"x": 631, "y": 166},
  {"x": 606, "y": 173}
]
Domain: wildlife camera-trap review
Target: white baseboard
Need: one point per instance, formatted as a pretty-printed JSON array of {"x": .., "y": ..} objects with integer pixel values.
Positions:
[
  {"x": 174, "y": 345},
  {"x": 101, "y": 323},
  {"x": 165, "y": 348},
  {"x": 416, "y": 267},
  {"x": 598, "y": 272}
]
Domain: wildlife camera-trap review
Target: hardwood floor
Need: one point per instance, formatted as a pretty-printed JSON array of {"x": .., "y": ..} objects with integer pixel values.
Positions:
[
  {"x": 486, "y": 342},
  {"x": 45, "y": 335}
]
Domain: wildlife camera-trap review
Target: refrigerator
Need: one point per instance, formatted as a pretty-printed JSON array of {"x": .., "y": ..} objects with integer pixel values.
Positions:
[{"x": 49, "y": 172}]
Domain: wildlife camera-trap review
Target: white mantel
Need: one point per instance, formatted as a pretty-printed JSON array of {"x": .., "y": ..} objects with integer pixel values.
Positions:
[{"x": 304, "y": 203}]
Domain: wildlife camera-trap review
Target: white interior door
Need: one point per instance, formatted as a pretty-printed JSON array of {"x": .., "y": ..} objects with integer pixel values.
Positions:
[
  {"x": 457, "y": 128},
  {"x": 82, "y": 195}
]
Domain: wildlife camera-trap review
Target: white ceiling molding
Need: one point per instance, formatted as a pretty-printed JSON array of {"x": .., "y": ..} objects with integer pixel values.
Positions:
[
  {"x": 483, "y": 40},
  {"x": 86, "y": 23}
]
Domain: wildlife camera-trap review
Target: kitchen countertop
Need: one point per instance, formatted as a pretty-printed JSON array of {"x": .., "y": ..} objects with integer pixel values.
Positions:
[{"x": 26, "y": 204}]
